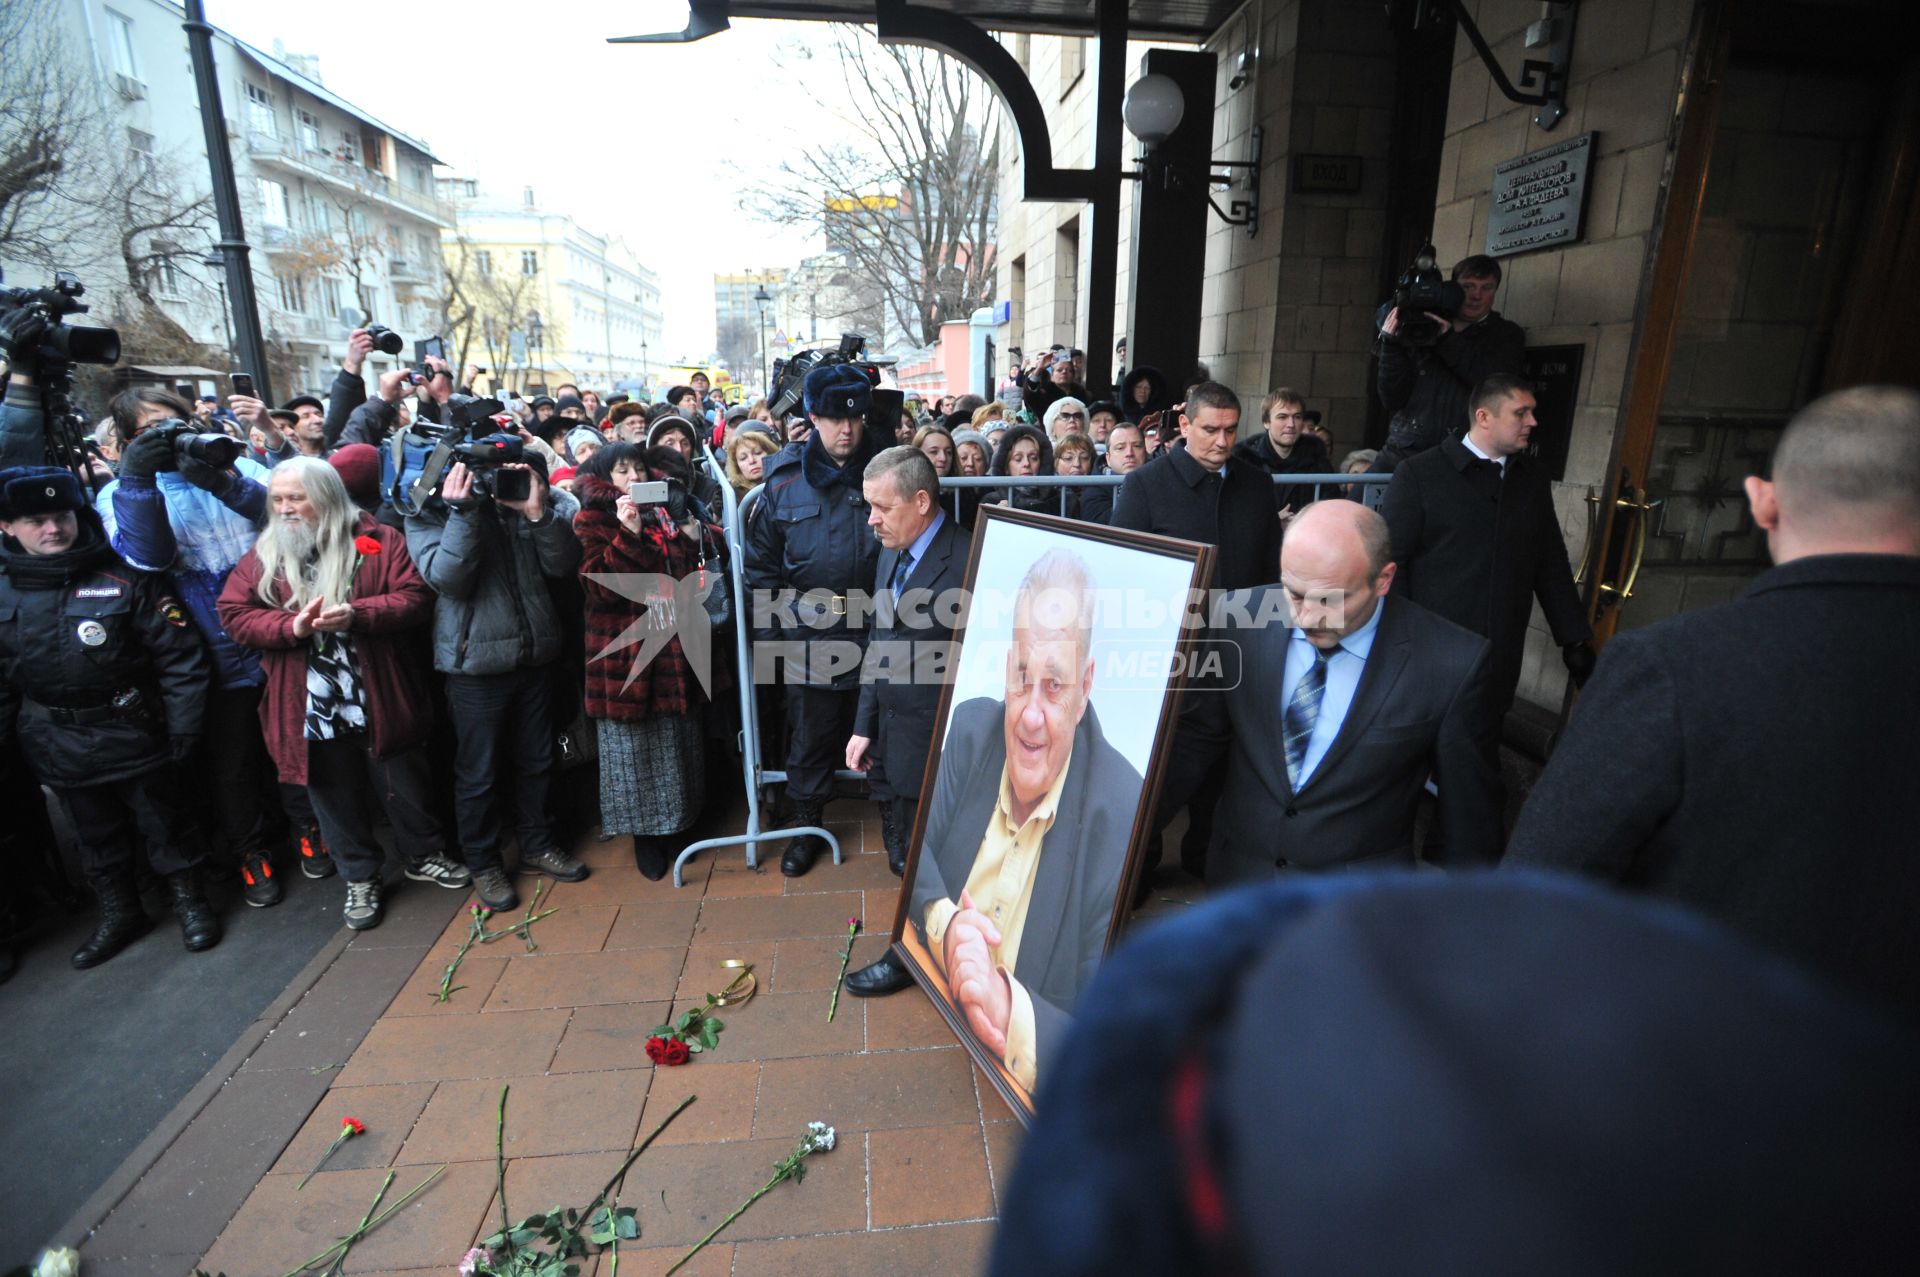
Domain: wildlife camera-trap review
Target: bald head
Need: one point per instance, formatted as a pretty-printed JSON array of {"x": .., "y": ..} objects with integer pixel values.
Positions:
[
  {"x": 1335, "y": 566},
  {"x": 1846, "y": 477}
]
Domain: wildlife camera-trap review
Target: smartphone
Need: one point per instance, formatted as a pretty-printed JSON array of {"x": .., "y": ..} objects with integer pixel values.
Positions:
[
  {"x": 243, "y": 385},
  {"x": 652, "y": 492},
  {"x": 512, "y": 485},
  {"x": 186, "y": 390},
  {"x": 425, "y": 346}
]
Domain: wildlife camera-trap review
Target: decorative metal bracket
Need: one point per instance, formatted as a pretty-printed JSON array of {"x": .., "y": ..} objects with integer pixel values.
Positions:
[
  {"x": 1554, "y": 33},
  {"x": 1243, "y": 209},
  {"x": 704, "y": 18}
]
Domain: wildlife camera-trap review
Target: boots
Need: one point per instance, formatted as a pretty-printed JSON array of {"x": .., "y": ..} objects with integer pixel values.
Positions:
[
  {"x": 199, "y": 924},
  {"x": 651, "y": 856},
  {"x": 894, "y": 837},
  {"x": 122, "y": 920},
  {"x": 805, "y": 849}
]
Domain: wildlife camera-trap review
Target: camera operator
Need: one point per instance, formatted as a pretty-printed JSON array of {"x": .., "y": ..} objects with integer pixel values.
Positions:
[
  {"x": 809, "y": 536},
  {"x": 379, "y": 416},
  {"x": 1426, "y": 386},
  {"x": 104, "y": 682},
  {"x": 489, "y": 559}
]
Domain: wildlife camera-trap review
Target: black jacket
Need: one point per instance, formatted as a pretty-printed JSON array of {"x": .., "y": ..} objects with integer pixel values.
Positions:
[
  {"x": 1480, "y": 559},
  {"x": 909, "y": 658},
  {"x": 349, "y": 392},
  {"x": 1426, "y": 388},
  {"x": 1174, "y": 495},
  {"x": 1158, "y": 397},
  {"x": 79, "y": 630},
  {"x": 1756, "y": 761},
  {"x": 1419, "y": 710},
  {"x": 1309, "y": 456}
]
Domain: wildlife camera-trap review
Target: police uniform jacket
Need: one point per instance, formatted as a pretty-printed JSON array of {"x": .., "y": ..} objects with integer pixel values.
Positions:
[
  {"x": 99, "y": 664},
  {"x": 809, "y": 535}
]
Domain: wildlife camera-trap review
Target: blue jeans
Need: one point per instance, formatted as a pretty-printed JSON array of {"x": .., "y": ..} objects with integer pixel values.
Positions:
[{"x": 501, "y": 721}]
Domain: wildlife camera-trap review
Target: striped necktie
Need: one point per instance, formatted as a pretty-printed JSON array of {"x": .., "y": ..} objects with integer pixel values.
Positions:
[
  {"x": 1303, "y": 711},
  {"x": 901, "y": 570}
]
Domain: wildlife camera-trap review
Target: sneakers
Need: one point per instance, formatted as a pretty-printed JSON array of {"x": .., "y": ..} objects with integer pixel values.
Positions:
[
  {"x": 314, "y": 861},
  {"x": 258, "y": 886},
  {"x": 363, "y": 904},
  {"x": 495, "y": 889},
  {"x": 441, "y": 872},
  {"x": 555, "y": 864}
]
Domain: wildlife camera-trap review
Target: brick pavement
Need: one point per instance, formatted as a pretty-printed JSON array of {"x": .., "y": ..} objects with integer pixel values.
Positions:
[{"x": 925, "y": 1145}]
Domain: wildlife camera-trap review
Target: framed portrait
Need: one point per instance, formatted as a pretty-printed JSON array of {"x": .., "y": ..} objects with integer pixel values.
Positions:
[{"x": 1049, "y": 747}]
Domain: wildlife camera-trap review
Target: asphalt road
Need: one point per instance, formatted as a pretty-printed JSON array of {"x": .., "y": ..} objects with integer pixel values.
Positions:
[{"x": 90, "y": 1061}]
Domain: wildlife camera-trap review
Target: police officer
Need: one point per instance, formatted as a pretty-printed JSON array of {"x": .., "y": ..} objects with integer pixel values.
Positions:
[
  {"x": 104, "y": 679},
  {"x": 808, "y": 546}
]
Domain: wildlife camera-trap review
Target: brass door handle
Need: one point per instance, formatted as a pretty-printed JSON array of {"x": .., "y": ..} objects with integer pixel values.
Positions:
[
  {"x": 1640, "y": 507},
  {"x": 1593, "y": 533}
]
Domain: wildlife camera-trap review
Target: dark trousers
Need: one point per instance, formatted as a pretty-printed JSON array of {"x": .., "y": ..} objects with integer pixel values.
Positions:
[
  {"x": 345, "y": 780},
  {"x": 501, "y": 721},
  {"x": 819, "y": 720},
  {"x": 249, "y": 814},
  {"x": 110, "y": 820}
]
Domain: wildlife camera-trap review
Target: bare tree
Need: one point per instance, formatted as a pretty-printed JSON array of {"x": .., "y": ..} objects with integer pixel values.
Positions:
[
  {"x": 481, "y": 307},
  {"x": 53, "y": 152},
  {"x": 912, "y": 200}
]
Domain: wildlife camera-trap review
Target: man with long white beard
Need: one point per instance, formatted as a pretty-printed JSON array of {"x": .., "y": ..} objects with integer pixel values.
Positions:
[{"x": 327, "y": 596}]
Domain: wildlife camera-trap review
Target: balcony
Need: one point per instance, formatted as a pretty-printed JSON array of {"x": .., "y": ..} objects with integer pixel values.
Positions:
[{"x": 290, "y": 155}]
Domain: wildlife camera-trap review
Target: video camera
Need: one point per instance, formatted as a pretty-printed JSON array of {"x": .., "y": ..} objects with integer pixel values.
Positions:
[
  {"x": 190, "y": 443},
  {"x": 790, "y": 375},
  {"x": 1422, "y": 291},
  {"x": 59, "y": 341},
  {"x": 483, "y": 454}
]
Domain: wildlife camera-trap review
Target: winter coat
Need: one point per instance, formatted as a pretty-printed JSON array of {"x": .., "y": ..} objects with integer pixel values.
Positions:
[
  {"x": 389, "y": 602},
  {"x": 1309, "y": 456},
  {"x": 165, "y": 524},
  {"x": 1045, "y": 500},
  {"x": 77, "y": 631},
  {"x": 1426, "y": 388},
  {"x": 665, "y": 685},
  {"x": 490, "y": 568},
  {"x": 1157, "y": 399}
]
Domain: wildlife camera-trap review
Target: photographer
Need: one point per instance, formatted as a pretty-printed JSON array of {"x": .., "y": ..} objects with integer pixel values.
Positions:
[
  {"x": 170, "y": 511},
  {"x": 489, "y": 558},
  {"x": 379, "y": 416},
  {"x": 1426, "y": 386}
]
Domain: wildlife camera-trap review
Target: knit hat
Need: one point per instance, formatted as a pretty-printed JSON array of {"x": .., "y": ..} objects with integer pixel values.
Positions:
[
  {"x": 28, "y": 490},
  {"x": 838, "y": 391},
  {"x": 569, "y": 401},
  {"x": 975, "y": 438},
  {"x": 358, "y": 465},
  {"x": 672, "y": 421},
  {"x": 589, "y": 435}
]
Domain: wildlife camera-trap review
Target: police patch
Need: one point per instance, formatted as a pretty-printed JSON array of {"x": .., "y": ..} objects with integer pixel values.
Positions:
[
  {"x": 98, "y": 592},
  {"x": 173, "y": 613},
  {"x": 92, "y": 633}
]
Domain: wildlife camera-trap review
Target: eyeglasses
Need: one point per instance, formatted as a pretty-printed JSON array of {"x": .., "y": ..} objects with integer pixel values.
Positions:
[{"x": 1071, "y": 416}]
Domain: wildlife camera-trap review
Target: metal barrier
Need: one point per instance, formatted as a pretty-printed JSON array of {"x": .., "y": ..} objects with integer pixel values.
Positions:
[{"x": 757, "y": 777}]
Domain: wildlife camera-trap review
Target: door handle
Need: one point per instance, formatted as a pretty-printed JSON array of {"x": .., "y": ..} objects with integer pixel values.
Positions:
[{"x": 1637, "y": 507}]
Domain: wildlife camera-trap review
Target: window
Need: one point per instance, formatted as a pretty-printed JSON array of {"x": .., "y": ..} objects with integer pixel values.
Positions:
[
  {"x": 483, "y": 263},
  {"x": 529, "y": 262},
  {"x": 320, "y": 214},
  {"x": 163, "y": 274},
  {"x": 330, "y": 298},
  {"x": 349, "y": 148},
  {"x": 140, "y": 149},
  {"x": 416, "y": 178},
  {"x": 429, "y": 246},
  {"x": 120, "y": 42},
  {"x": 293, "y": 293},
  {"x": 526, "y": 196},
  {"x": 470, "y": 188},
  {"x": 273, "y": 202},
  {"x": 309, "y": 126},
  {"x": 260, "y": 111},
  {"x": 375, "y": 147}
]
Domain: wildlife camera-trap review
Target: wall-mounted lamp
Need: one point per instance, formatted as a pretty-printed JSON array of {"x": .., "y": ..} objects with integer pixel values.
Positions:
[{"x": 1152, "y": 110}]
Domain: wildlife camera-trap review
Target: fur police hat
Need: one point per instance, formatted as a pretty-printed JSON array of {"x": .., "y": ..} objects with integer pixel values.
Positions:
[
  {"x": 28, "y": 490},
  {"x": 838, "y": 390}
]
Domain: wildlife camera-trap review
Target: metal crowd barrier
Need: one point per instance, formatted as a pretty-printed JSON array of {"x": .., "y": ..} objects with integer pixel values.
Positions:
[{"x": 759, "y": 778}]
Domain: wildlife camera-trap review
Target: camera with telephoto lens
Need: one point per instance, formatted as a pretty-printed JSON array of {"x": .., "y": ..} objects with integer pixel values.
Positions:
[
  {"x": 59, "y": 341},
  {"x": 190, "y": 443},
  {"x": 484, "y": 455},
  {"x": 1422, "y": 291},
  {"x": 790, "y": 375},
  {"x": 385, "y": 340}
]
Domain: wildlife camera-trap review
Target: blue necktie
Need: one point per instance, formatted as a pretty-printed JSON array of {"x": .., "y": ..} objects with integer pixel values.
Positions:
[
  {"x": 900, "y": 572},
  {"x": 1303, "y": 711}
]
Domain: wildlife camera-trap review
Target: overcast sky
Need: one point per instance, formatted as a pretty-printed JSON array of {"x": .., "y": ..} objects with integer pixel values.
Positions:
[{"x": 644, "y": 141}]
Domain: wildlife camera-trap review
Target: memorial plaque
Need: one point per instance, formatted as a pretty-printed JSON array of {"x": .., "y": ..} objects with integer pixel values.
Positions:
[
  {"x": 1539, "y": 198},
  {"x": 1554, "y": 374}
]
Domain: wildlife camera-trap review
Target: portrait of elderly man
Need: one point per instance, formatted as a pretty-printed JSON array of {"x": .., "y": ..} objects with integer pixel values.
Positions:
[{"x": 1027, "y": 830}]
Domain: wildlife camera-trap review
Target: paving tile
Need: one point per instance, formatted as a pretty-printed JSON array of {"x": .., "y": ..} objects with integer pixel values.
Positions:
[
  {"x": 615, "y": 853},
  {"x": 731, "y": 877},
  {"x": 649, "y": 926},
  {"x": 777, "y": 918},
  {"x": 723, "y": 1110},
  {"x": 389, "y": 1113},
  {"x": 622, "y": 885},
  {"x": 472, "y": 983},
  {"x": 278, "y": 1228},
  {"x": 938, "y": 1251},
  {"x": 703, "y": 1183},
  {"x": 574, "y": 929},
  {"x": 330, "y": 1018},
  {"x": 814, "y": 963},
  {"x": 414, "y": 916},
  {"x": 861, "y": 873},
  {"x": 432, "y": 1048},
  {"x": 992, "y": 1107},
  {"x": 1003, "y": 1151},
  {"x": 193, "y": 1189},
  {"x": 928, "y": 1175},
  {"x": 905, "y": 1021},
  {"x": 608, "y": 1037},
  {"x": 715, "y": 1261},
  {"x": 777, "y": 1026},
  {"x": 587, "y": 979},
  {"x": 867, "y": 1092},
  {"x": 704, "y": 974},
  {"x": 536, "y": 1185},
  {"x": 546, "y": 1116},
  {"x": 97, "y": 1264}
]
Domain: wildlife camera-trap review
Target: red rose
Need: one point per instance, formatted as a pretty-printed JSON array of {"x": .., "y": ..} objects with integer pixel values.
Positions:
[
  {"x": 656, "y": 1049},
  {"x": 676, "y": 1053},
  {"x": 366, "y": 545}
]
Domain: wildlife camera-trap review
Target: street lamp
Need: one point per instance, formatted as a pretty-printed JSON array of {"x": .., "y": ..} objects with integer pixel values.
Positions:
[
  {"x": 762, "y": 296},
  {"x": 218, "y": 261}
]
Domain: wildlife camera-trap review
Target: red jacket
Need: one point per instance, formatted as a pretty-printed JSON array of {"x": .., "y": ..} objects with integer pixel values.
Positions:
[{"x": 389, "y": 599}]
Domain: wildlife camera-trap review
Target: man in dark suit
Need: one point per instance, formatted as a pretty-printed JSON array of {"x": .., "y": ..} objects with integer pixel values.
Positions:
[
  {"x": 1757, "y": 760},
  {"x": 1026, "y": 836},
  {"x": 1477, "y": 539},
  {"x": 1285, "y": 446},
  {"x": 1344, "y": 707}
]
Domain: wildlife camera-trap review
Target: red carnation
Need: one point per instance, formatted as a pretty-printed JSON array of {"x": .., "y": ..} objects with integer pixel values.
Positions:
[
  {"x": 359, "y": 1127},
  {"x": 676, "y": 1053},
  {"x": 366, "y": 545}
]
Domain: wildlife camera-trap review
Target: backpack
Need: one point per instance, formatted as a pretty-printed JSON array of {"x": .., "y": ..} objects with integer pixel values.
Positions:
[{"x": 411, "y": 467}]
